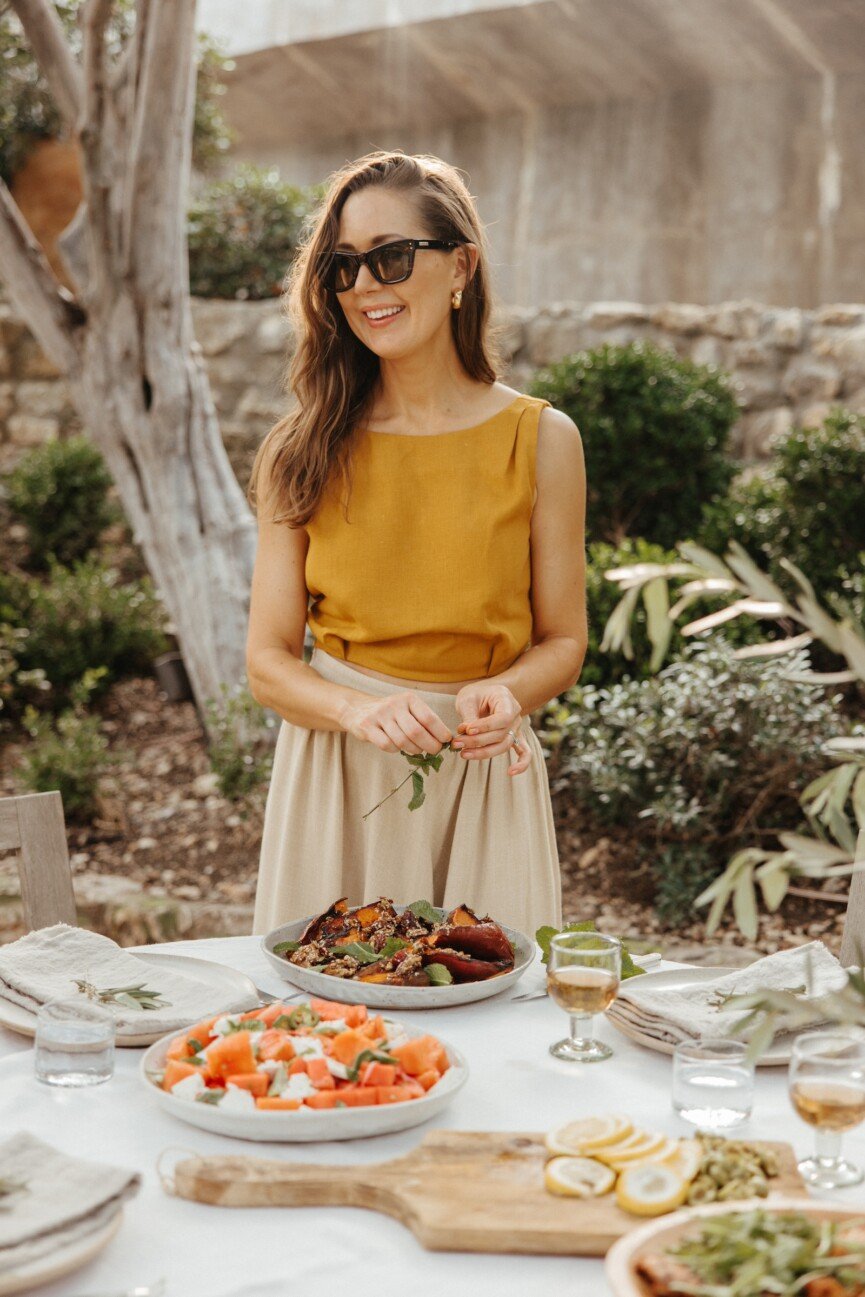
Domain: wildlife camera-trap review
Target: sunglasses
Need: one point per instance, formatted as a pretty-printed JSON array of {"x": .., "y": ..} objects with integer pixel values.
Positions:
[{"x": 389, "y": 263}]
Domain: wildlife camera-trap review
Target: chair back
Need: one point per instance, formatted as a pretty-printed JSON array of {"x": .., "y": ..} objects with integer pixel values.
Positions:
[
  {"x": 853, "y": 940},
  {"x": 34, "y": 828}
]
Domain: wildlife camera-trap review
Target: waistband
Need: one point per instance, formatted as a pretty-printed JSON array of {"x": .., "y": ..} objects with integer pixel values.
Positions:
[{"x": 343, "y": 673}]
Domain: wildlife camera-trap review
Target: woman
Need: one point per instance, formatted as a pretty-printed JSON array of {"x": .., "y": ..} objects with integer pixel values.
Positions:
[{"x": 427, "y": 521}]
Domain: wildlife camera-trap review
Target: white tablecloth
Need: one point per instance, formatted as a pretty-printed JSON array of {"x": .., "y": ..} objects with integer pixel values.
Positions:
[{"x": 207, "y": 1251}]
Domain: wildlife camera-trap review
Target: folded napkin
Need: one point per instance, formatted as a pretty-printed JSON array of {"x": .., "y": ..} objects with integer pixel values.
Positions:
[
  {"x": 671, "y": 1016},
  {"x": 44, "y": 965},
  {"x": 63, "y": 1200}
]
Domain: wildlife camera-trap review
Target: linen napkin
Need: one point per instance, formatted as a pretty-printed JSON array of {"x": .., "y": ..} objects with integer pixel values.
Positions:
[
  {"x": 671, "y": 1016},
  {"x": 64, "y": 1199},
  {"x": 44, "y": 964}
]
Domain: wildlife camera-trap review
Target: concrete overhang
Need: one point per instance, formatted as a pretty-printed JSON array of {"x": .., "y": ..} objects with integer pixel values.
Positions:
[{"x": 454, "y": 60}]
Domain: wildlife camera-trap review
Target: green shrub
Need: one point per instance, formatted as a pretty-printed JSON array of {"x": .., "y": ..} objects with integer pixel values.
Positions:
[
  {"x": 68, "y": 753},
  {"x": 243, "y": 232},
  {"x": 241, "y": 741},
  {"x": 80, "y": 618},
  {"x": 807, "y": 506},
  {"x": 698, "y": 760},
  {"x": 60, "y": 493},
  {"x": 654, "y": 428}
]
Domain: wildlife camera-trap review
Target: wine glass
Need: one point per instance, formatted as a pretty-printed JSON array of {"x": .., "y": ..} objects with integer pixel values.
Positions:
[
  {"x": 827, "y": 1089},
  {"x": 583, "y": 976}
]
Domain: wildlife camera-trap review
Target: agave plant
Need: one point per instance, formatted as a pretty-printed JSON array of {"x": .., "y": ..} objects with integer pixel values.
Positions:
[{"x": 750, "y": 592}]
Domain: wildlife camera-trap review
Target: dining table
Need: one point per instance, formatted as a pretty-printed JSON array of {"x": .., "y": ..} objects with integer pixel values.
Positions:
[{"x": 198, "y": 1250}]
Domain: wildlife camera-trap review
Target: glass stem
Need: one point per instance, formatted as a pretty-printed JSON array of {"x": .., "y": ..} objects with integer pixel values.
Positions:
[
  {"x": 827, "y": 1146},
  {"x": 581, "y": 1029}
]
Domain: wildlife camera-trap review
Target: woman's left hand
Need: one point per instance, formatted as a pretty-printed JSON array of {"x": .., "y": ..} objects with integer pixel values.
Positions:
[{"x": 489, "y": 712}]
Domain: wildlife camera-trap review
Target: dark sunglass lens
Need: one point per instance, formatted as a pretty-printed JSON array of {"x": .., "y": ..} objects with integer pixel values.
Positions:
[
  {"x": 342, "y": 272},
  {"x": 392, "y": 263}
]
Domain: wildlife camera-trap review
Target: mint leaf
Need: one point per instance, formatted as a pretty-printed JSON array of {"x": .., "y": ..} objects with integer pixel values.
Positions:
[
  {"x": 391, "y": 946},
  {"x": 362, "y": 951},
  {"x": 286, "y": 947},
  {"x": 418, "y": 794},
  {"x": 425, "y": 912},
  {"x": 438, "y": 974}
]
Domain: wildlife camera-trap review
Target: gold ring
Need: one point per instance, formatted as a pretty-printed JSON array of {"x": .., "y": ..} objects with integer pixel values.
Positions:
[{"x": 515, "y": 742}]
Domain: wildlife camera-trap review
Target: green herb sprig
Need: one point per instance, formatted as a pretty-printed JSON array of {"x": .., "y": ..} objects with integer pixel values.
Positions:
[
  {"x": 544, "y": 935},
  {"x": 131, "y": 997},
  {"x": 422, "y": 763}
]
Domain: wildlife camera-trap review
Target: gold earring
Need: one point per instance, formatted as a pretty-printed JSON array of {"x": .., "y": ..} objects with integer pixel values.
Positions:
[{"x": 456, "y": 299}]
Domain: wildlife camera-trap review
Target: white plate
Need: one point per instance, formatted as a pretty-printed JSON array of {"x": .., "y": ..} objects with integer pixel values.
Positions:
[
  {"x": 680, "y": 979},
  {"x": 306, "y": 1124},
  {"x": 663, "y": 1232},
  {"x": 63, "y": 1261},
  {"x": 376, "y": 996},
  {"x": 233, "y": 992}
]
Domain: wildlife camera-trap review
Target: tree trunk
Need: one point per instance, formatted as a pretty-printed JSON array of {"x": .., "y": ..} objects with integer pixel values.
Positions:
[{"x": 124, "y": 339}]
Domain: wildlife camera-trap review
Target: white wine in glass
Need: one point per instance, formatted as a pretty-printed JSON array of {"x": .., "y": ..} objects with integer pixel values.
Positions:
[
  {"x": 583, "y": 976},
  {"x": 827, "y": 1089}
]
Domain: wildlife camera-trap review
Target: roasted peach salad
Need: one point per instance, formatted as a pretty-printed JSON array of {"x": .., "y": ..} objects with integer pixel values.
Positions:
[{"x": 312, "y": 1055}]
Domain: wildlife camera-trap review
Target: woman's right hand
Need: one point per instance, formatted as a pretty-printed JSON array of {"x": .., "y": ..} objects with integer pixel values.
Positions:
[{"x": 399, "y": 722}]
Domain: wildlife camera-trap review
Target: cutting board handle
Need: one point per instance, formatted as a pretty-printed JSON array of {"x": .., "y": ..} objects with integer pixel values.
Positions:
[{"x": 265, "y": 1182}]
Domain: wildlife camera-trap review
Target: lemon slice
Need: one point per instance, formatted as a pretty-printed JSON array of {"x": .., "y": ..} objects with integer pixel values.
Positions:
[
  {"x": 588, "y": 1134},
  {"x": 635, "y": 1139},
  {"x": 578, "y": 1177},
  {"x": 650, "y": 1189},
  {"x": 684, "y": 1158},
  {"x": 661, "y": 1152},
  {"x": 650, "y": 1143}
]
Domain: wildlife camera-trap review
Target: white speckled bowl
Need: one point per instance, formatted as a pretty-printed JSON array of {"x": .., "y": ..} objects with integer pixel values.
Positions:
[
  {"x": 306, "y": 1125},
  {"x": 394, "y": 997}
]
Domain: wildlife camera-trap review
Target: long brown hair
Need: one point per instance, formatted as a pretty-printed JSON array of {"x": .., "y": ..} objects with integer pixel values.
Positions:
[{"x": 332, "y": 374}]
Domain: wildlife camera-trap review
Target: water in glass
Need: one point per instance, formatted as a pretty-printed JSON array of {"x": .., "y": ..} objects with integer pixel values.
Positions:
[
  {"x": 713, "y": 1085},
  {"x": 74, "y": 1043}
]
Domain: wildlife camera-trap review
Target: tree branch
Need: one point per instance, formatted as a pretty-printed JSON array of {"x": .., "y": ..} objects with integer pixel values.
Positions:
[
  {"x": 96, "y": 143},
  {"x": 53, "y": 314},
  {"x": 57, "y": 64}
]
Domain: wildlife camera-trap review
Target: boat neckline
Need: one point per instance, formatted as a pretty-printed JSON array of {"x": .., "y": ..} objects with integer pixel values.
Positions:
[{"x": 455, "y": 432}]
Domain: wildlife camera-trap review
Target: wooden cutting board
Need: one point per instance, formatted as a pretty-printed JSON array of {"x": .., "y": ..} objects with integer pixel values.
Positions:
[{"x": 458, "y": 1191}]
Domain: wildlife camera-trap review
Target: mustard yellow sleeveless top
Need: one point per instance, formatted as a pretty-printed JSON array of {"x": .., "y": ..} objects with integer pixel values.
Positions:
[{"x": 429, "y": 578}]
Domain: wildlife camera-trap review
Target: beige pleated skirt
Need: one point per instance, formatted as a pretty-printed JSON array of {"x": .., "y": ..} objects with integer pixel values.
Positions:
[{"x": 482, "y": 837}]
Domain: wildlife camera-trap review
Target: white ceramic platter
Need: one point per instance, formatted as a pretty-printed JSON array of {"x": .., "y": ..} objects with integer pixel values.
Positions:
[
  {"x": 304, "y": 1125},
  {"x": 376, "y": 996},
  {"x": 665, "y": 1231},
  {"x": 233, "y": 992},
  {"x": 60, "y": 1262},
  {"x": 681, "y": 979}
]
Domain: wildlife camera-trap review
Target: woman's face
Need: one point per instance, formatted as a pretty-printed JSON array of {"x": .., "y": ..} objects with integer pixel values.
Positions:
[{"x": 372, "y": 216}]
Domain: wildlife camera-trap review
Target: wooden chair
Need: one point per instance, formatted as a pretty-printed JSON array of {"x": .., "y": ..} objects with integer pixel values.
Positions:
[
  {"x": 33, "y": 826},
  {"x": 853, "y": 940}
]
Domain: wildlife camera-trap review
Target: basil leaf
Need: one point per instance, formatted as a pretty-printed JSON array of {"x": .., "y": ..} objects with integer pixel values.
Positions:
[
  {"x": 544, "y": 935},
  {"x": 438, "y": 974},
  {"x": 426, "y": 912},
  {"x": 286, "y": 947}
]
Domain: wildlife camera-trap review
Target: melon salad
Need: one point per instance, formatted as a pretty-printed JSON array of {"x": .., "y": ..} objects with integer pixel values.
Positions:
[{"x": 295, "y": 1057}]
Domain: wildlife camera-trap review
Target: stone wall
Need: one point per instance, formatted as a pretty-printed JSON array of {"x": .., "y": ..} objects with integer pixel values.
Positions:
[{"x": 787, "y": 365}]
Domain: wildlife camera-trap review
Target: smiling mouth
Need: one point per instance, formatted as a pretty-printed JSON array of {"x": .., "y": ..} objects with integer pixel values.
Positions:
[{"x": 377, "y": 314}]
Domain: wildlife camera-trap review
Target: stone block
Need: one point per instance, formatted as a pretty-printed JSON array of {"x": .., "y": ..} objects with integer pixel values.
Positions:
[
  {"x": 755, "y": 389},
  {"x": 785, "y": 328},
  {"x": 814, "y": 415},
  {"x": 220, "y": 324},
  {"x": 707, "y": 350},
  {"x": 274, "y": 335},
  {"x": 846, "y": 348},
  {"x": 679, "y": 317},
  {"x": 549, "y": 339},
  {"x": 757, "y": 433},
  {"x": 840, "y": 313},
  {"x": 606, "y": 315},
  {"x": 42, "y": 398},
  {"x": 734, "y": 319},
  {"x": 807, "y": 376},
  {"x": 748, "y": 352},
  {"x": 31, "y": 430}
]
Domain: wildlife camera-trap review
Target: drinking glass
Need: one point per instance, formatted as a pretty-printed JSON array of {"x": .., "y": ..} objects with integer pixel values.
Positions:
[
  {"x": 713, "y": 1083},
  {"x": 583, "y": 976},
  {"x": 827, "y": 1089},
  {"x": 74, "y": 1043}
]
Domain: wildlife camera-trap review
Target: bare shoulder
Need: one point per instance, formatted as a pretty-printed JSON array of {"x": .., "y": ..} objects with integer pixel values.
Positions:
[{"x": 560, "y": 448}]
